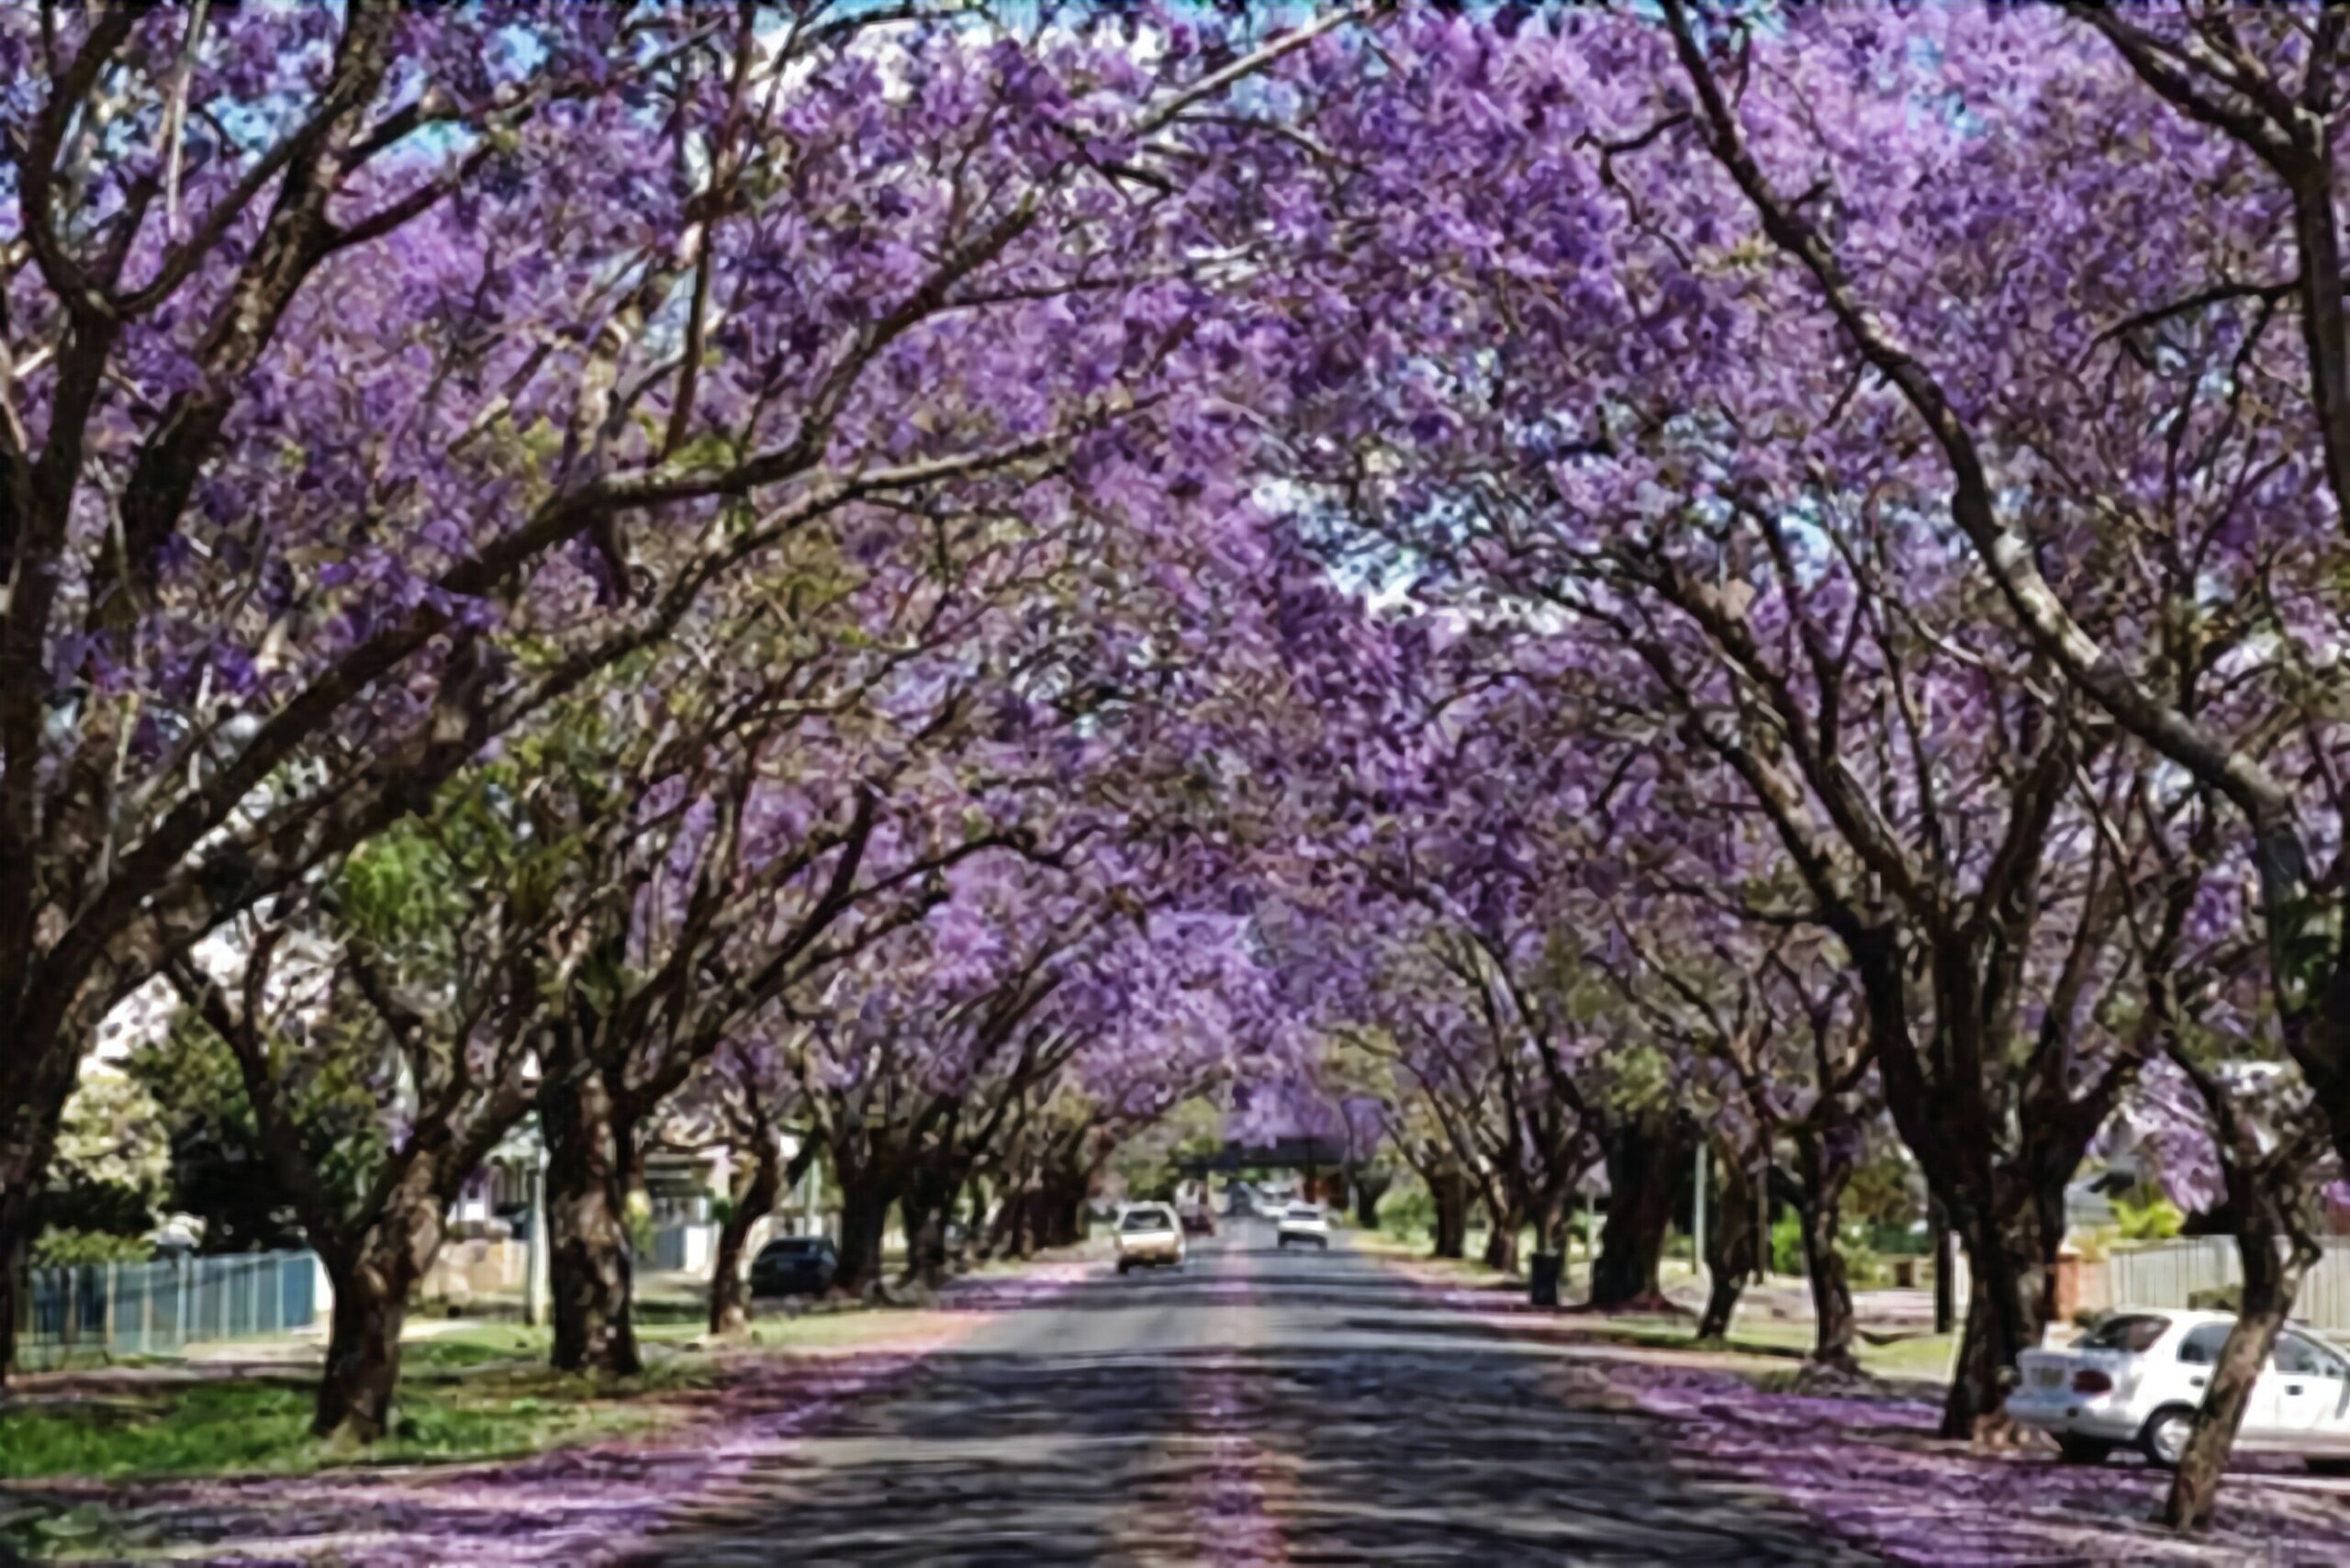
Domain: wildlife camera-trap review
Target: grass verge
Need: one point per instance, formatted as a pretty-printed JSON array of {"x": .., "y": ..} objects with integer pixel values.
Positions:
[
  {"x": 473, "y": 1393},
  {"x": 261, "y": 1426},
  {"x": 1916, "y": 1358}
]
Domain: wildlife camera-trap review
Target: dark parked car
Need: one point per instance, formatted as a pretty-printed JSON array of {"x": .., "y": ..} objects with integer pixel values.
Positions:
[{"x": 795, "y": 1265}]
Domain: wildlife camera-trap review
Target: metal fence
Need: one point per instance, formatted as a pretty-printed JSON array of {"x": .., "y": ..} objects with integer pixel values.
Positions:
[
  {"x": 130, "y": 1309},
  {"x": 2171, "y": 1273}
]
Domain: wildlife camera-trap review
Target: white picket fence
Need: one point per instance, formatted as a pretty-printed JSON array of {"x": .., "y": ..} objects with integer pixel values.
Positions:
[{"x": 2170, "y": 1274}]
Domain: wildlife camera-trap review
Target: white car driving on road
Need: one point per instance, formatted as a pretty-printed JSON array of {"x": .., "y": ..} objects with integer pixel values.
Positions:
[
  {"x": 1149, "y": 1234},
  {"x": 1303, "y": 1225},
  {"x": 2136, "y": 1379}
]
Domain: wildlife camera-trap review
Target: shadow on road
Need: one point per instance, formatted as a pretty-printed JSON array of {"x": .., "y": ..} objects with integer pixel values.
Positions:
[{"x": 1259, "y": 1407}]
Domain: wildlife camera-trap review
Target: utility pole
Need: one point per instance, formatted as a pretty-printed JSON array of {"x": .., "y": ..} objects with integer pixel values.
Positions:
[
  {"x": 534, "y": 1272},
  {"x": 1697, "y": 1208}
]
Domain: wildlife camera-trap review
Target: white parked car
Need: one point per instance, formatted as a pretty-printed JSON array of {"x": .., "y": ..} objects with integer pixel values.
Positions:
[
  {"x": 1303, "y": 1225},
  {"x": 2136, "y": 1378}
]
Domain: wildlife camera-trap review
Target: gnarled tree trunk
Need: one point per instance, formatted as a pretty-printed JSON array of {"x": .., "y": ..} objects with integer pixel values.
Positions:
[
  {"x": 590, "y": 1271},
  {"x": 1648, "y": 1155},
  {"x": 2267, "y": 1193},
  {"x": 756, "y": 1192},
  {"x": 1007, "y": 1224},
  {"x": 865, "y": 1197},
  {"x": 1824, "y": 1169},
  {"x": 1501, "y": 1240},
  {"x": 36, "y": 1079},
  {"x": 924, "y": 1208},
  {"x": 2011, "y": 1299},
  {"x": 17, "y": 1225},
  {"x": 1835, "y": 1327},
  {"x": 1945, "y": 1268},
  {"x": 373, "y": 1281},
  {"x": 1065, "y": 1208},
  {"x": 363, "y": 1366},
  {"x": 1733, "y": 1241},
  {"x": 2271, "y": 1282},
  {"x": 2000, "y": 1176},
  {"x": 1449, "y": 1191}
]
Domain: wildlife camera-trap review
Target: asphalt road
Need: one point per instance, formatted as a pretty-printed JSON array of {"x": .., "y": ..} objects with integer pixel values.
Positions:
[{"x": 1260, "y": 1406}]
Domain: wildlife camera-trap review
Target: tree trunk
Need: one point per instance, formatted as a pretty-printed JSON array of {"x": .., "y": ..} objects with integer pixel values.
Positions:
[
  {"x": 1501, "y": 1240},
  {"x": 1011, "y": 1210},
  {"x": 865, "y": 1217},
  {"x": 1448, "y": 1189},
  {"x": 2271, "y": 1283},
  {"x": 2000, "y": 1172},
  {"x": 37, "y": 1072},
  {"x": 1065, "y": 1212},
  {"x": 755, "y": 1199},
  {"x": 1367, "y": 1191},
  {"x": 372, "y": 1279},
  {"x": 18, "y": 1225},
  {"x": 1945, "y": 1268},
  {"x": 924, "y": 1208},
  {"x": 1834, "y": 1325},
  {"x": 590, "y": 1273},
  {"x": 1645, "y": 1164},
  {"x": 1733, "y": 1242},
  {"x": 975, "y": 1193},
  {"x": 1824, "y": 1169},
  {"x": 2275, "y": 1251},
  {"x": 362, "y": 1368},
  {"x": 2009, "y": 1299}
]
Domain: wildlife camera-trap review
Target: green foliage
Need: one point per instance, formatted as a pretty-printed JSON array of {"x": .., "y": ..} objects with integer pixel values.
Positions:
[
  {"x": 2306, "y": 942},
  {"x": 216, "y": 1171},
  {"x": 111, "y": 1174},
  {"x": 1407, "y": 1211},
  {"x": 1881, "y": 1192},
  {"x": 1149, "y": 1163},
  {"x": 638, "y": 1219},
  {"x": 1787, "y": 1245},
  {"x": 2153, "y": 1217},
  {"x": 1898, "y": 1240},
  {"x": 64, "y": 1248},
  {"x": 218, "y": 1168},
  {"x": 399, "y": 889}
]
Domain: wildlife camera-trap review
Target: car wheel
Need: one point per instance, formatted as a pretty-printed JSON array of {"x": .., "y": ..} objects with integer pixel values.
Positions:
[
  {"x": 2163, "y": 1438},
  {"x": 2083, "y": 1450}
]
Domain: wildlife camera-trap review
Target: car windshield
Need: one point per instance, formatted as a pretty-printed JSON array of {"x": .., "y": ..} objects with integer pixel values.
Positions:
[
  {"x": 794, "y": 1246},
  {"x": 2135, "y": 1333},
  {"x": 1305, "y": 1211},
  {"x": 1143, "y": 1219}
]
